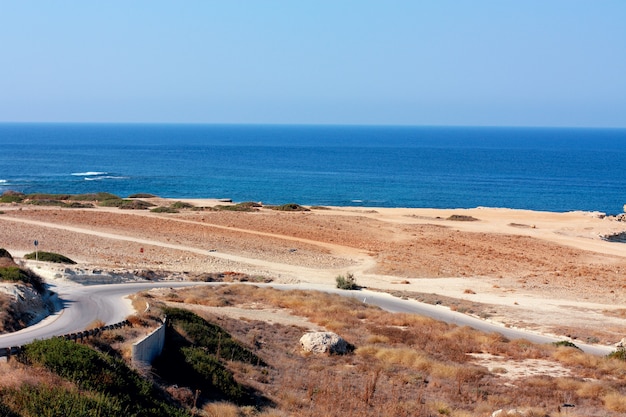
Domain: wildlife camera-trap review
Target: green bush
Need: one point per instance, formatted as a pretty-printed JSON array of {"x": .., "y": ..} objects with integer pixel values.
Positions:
[
  {"x": 100, "y": 373},
  {"x": 94, "y": 197},
  {"x": 5, "y": 254},
  {"x": 209, "y": 336},
  {"x": 246, "y": 206},
  {"x": 142, "y": 195},
  {"x": 162, "y": 209},
  {"x": 347, "y": 282},
  {"x": 42, "y": 400},
  {"x": 43, "y": 196},
  {"x": 49, "y": 257},
  {"x": 566, "y": 343},
  {"x": 290, "y": 207},
  {"x": 181, "y": 205},
  {"x": 11, "y": 197},
  {"x": 16, "y": 274},
  {"x": 618, "y": 354},
  {"x": 462, "y": 218},
  {"x": 47, "y": 202},
  {"x": 194, "y": 349},
  {"x": 126, "y": 204}
]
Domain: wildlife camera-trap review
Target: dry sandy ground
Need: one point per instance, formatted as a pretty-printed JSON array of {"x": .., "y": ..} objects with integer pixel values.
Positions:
[{"x": 550, "y": 272}]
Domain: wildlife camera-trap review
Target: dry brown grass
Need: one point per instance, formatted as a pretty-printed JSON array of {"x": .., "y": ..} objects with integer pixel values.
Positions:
[{"x": 403, "y": 365}]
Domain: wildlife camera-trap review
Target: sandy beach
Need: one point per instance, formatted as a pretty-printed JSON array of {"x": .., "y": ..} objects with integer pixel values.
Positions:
[{"x": 548, "y": 272}]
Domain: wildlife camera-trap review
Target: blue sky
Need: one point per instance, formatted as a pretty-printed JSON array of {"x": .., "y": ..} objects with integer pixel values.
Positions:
[{"x": 443, "y": 62}]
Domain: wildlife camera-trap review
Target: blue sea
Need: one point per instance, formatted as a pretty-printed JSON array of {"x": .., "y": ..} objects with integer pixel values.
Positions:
[{"x": 549, "y": 169}]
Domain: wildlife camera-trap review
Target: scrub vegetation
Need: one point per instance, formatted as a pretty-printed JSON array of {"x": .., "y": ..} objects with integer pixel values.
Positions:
[{"x": 222, "y": 364}]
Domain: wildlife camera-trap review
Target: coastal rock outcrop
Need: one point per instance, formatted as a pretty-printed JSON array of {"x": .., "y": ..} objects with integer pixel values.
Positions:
[{"x": 323, "y": 342}]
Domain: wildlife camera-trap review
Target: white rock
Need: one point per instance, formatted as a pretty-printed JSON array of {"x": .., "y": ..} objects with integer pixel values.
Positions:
[{"x": 322, "y": 342}]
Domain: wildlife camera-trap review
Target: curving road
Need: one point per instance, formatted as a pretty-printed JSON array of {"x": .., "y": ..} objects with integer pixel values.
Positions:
[{"x": 82, "y": 305}]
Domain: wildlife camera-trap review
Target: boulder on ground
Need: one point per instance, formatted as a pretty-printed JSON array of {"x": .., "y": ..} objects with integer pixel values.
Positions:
[
  {"x": 322, "y": 342},
  {"x": 508, "y": 413}
]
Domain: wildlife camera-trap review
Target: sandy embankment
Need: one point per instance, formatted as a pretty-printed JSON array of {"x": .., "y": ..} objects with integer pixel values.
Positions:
[{"x": 547, "y": 271}]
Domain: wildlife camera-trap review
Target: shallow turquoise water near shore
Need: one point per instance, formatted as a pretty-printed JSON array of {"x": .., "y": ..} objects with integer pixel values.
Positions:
[{"x": 442, "y": 167}]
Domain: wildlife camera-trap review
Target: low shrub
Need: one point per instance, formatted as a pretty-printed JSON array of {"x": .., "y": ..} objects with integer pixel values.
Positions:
[
  {"x": 462, "y": 218},
  {"x": 192, "y": 356},
  {"x": 99, "y": 373},
  {"x": 566, "y": 343},
  {"x": 46, "y": 197},
  {"x": 12, "y": 197},
  {"x": 42, "y": 400},
  {"x": 49, "y": 257},
  {"x": 5, "y": 254},
  {"x": 17, "y": 274},
  {"x": 142, "y": 195},
  {"x": 347, "y": 282},
  {"x": 209, "y": 336},
  {"x": 126, "y": 204},
  {"x": 246, "y": 206},
  {"x": 45, "y": 202},
  {"x": 181, "y": 205},
  {"x": 618, "y": 354},
  {"x": 163, "y": 209},
  {"x": 94, "y": 197},
  {"x": 290, "y": 207}
]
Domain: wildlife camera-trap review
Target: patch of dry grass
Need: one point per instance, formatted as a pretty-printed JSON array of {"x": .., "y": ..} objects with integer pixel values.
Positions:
[{"x": 403, "y": 365}]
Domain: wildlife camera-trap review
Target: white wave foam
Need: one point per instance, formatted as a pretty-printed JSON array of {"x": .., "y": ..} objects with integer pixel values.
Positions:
[
  {"x": 105, "y": 177},
  {"x": 88, "y": 173},
  {"x": 3, "y": 181}
]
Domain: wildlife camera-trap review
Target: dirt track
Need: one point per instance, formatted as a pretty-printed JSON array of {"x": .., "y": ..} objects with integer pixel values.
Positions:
[{"x": 546, "y": 271}]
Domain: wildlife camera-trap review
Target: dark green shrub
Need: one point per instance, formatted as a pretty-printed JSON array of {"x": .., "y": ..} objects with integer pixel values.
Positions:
[
  {"x": 194, "y": 349},
  {"x": 346, "y": 283},
  {"x": 618, "y": 354},
  {"x": 5, "y": 254},
  {"x": 181, "y": 205},
  {"x": 11, "y": 197},
  {"x": 111, "y": 202},
  {"x": 246, "y": 206},
  {"x": 209, "y": 336},
  {"x": 126, "y": 204},
  {"x": 11, "y": 273},
  {"x": 94, "y": 197},
  {"x": 162, "y": 209},
  {"x": 49, "y": 257},
  {"x": 142, "y": 195},
  {"x": 76, "y": 204},
  {"x": 211, "y": 374},
  {"x": 100, "y": 373},
  {"x": 462, "y": 218},
  {"x": 42, "y": 400},
  {"x": 16, "y": 274},
  {"x": 5, "y": 411},
  {"x": 47, "y": 202},
  {"x": 43, "y": 196},
  {"x": 566, "y": 343},
  {"x": 290, "y": 207}
]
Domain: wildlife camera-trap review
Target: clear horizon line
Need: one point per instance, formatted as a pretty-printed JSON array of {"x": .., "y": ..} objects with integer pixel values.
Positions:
[{"x": 401, "y": 125}]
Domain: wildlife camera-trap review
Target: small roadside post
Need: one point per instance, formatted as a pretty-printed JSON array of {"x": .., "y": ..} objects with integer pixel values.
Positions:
[{"x": 36, "y": 243}]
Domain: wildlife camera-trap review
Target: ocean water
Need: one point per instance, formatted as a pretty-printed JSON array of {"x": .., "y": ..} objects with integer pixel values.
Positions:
[{"x": 384, "y": 166}]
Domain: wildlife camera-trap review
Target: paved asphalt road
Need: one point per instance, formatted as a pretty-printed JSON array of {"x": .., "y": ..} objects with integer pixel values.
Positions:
[{"x": 83, "y": 305}]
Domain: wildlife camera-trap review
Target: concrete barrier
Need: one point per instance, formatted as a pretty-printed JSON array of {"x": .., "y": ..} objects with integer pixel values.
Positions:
[{"x": 147, "y": 349}]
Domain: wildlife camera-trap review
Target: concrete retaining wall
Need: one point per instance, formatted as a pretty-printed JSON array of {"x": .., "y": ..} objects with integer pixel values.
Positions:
[{"x": 148, "y": 348}]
